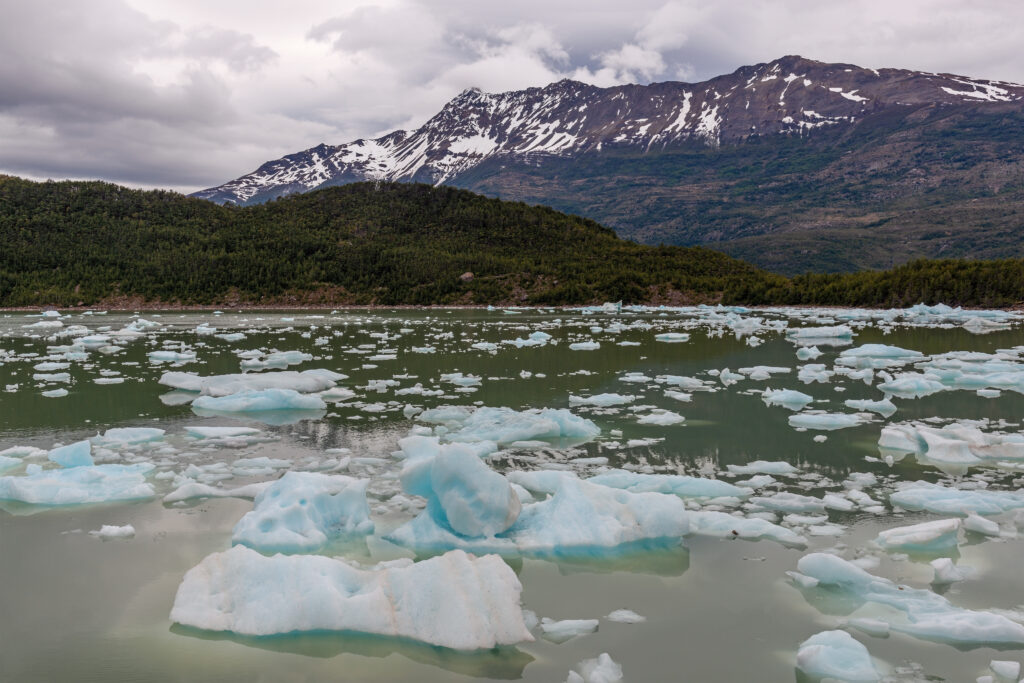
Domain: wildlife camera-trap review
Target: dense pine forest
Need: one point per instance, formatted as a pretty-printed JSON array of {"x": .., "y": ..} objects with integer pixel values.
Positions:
[{"x": 93, "y": 243}]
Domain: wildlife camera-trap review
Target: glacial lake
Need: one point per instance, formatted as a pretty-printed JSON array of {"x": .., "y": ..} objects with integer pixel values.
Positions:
[{"x": 81, "y": 608}]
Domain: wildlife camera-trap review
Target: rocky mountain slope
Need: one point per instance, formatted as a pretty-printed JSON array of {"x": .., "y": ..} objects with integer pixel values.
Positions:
[{"x": 794, "y": 164}]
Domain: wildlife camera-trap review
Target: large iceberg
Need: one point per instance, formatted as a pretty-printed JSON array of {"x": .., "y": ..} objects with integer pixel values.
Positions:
[
  {"x": 303, "y": 512},
  {"x": 454, "y": 600},
  {"x": 937, "y": 535},
  {"x": 80, "y": 485},
  {"x": 676, "y": 484}
]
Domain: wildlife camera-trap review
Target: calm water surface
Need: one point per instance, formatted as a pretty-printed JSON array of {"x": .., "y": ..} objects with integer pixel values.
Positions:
[{"x": 79, "y": 609}]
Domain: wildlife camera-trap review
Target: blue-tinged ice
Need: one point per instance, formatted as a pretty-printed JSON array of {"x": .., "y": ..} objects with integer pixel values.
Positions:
[
  {"x": 78, "y": 454},
  {"x": 935, "y": 536},
  {"x": 787, "y": 398},
  {"x": 455, "y": 600},
  {"x": 306, "y": 382},
  {"x": 877, "y": 356},
  {"x": 920, "y": 613},
  {"x": 602, "y": 400},
  {"x": 79, "y": 485},
  {"x": 884, "y": 407},
  {"x": 576, "y": 518},
  {"x": 923, "y": 495},
  {"x": 258, "y": 401},
  {"x": 777, "y": 467},
  {"x": 124, "y": 436},
  {"x": 676, "y": 484},
  {"x": 837, "y": 656},
  {"x": 303, "y": 512},
  {"x": 912, "y": 385},
  {"x": 463, "y": 494}
]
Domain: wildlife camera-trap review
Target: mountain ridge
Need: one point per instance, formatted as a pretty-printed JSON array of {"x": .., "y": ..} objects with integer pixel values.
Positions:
[{"x": 685, "y": 150}]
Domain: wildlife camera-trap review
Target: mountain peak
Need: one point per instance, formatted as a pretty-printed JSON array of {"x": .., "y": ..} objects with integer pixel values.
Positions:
[{"x": 790, "y": 96}]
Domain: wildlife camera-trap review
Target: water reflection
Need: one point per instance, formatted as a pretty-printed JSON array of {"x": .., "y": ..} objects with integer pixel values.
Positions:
[{"x": 505, "y": 663}]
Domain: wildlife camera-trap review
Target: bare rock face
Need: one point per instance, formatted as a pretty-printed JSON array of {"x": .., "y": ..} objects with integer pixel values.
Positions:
[{"x": 466, "y": 277}]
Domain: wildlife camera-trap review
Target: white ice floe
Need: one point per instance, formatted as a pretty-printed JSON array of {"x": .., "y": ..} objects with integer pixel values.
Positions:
[
  {"x": 836, "y": 655},
  {"x": 601, "y": 669},
  {"x": 787, "y": 398},
  {"x": 259, "y": 401},
  {"x": 455, "y": 600},
  {"x": 602, "y": 400},
  {"x": 504, "y": 425},
  {"x": 937, "y": 535},
  {"x": 79, "y": 485},
  {"x": 917, "y": 612},
  {"x": 944, "y": 500},
  {"x": 111, "y": 531},
  {"x": 561, "y": 631},
  {"x": 305, "y": 382},
  {"x": 825, "y": 421}
]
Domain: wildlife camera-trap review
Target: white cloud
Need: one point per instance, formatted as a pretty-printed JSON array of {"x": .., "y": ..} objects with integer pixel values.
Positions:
[{"x": 188, "y": 93}]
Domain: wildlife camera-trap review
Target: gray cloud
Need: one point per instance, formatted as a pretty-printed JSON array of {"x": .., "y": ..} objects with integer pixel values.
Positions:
[{"x": 185, "y": 94}]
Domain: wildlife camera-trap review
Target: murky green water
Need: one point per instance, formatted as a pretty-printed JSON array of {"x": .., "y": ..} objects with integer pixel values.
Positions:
[{"x": 79, "y": 609}]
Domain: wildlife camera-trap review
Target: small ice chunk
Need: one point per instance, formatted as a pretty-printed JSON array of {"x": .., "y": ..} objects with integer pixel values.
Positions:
[
  {"x": 258, "y": 401},
  {"x": 1005, "y": 670},
  {"x": 824, "y": 421},
  {"x": 945, "y": 571},
  {"x": 602, "y": 669},
  {"x": 765, "y": 467},
  {"x": 561, "y": 631},
  {"x": 981, "y": 525},
  {"x": 625, "y": 616},
  {"x": 79, "y": 485},
  {"x": 836, "y": 655},
  {"x": 787, "y": 398},
  {"x": 109, "y": 531},
  {"x": 661, "y": 418},
  {"x": 602, "y": 400}
]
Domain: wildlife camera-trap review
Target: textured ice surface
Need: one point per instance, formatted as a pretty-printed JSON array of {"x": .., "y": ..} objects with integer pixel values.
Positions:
[
  {"x": 463, "y": 494},
  {"x": 561, "y": 631},
  {"x": 787, "y": 398},
  {"x": 111, "y": 531},
  {"x": 78, "y": 454},
  {"x": 454, "y": 600},
  {"x": 662, "y": 418},
  {"x": 259, "y": 401},
  {"x": 953, "y": 447},
  {"x": 602, "y": 400},
  {"x": 836, "y": 655},
  {"x": 916, "y": 612},
  {"x": 932, "y": 536},
  {"x": 884, "y": 407},
  {"x": 943, "y": 500},
  {"x": 820, "y": 333},
  {"x": 121, "y": 436},
  {"x": 576, "y": 518},
  {"x": 676, "y": 484},
  {"x": 504, "y": 425},
  {"x": 824, "y": 421},
  {"x": 911, "y": 385},
  {"x": 79, "y": 485},
  {"x": 601, "y": 669},
  {"x": 722, "y": 525},
  {"x": 303, "y": 512},
  {"x": 764, "y": 467},
  {"x": 201, "y": 432},
  {"x": 191, "y": 490},
  {"x": 307, "y": 381}
]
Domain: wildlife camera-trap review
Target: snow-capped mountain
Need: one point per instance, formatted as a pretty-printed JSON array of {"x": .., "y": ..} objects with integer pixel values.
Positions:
[{"x": 789, "y": 96}]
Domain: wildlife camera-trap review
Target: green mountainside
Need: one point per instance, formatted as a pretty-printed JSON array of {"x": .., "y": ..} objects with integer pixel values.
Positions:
[
  {"x": 92, "y": 243},
  {"x": 913, "y": 182}
]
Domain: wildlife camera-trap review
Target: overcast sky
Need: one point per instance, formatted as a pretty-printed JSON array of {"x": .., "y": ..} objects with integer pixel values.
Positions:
[{"x": 185, "y": 94}]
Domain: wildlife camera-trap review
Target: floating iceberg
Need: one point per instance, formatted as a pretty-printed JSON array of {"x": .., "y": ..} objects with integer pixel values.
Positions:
[
  {"x": 78, "y": 454},
  {"x": 455, "y": 600},
  {"x": 303, "y": 512},
  {"x": 676, "y": 484},
  {"x": 601, "y": 669},
  {"x": 79, "y": 485},
  {"x": 661, "y": 418},
  {"x": 305, "y": 382},
  {"x": 824, "y": 421},
  {"x": 722, "y": 525},
  {"x": 259, "y": 401},
  {"x": 787, "y": 398},
  {"x": 877, "y": 356},
  {"x": 912, "y": 385},
  {"x": 923, "y": 495},
  {"x": 764, "y": 467},
  {"x": 601, "y": 400},
  {"x": 577, "y": 518},
  {"x": 933, "y": 536},
  {"x": 672, "y": 337},
  {"x": 836, "y": 655},
  {"x": 925, "y": 614},
  {"x": 820, "y": 333},
  {"x": 504, "y": 425},
  {"x": 885, "y": 407}
]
